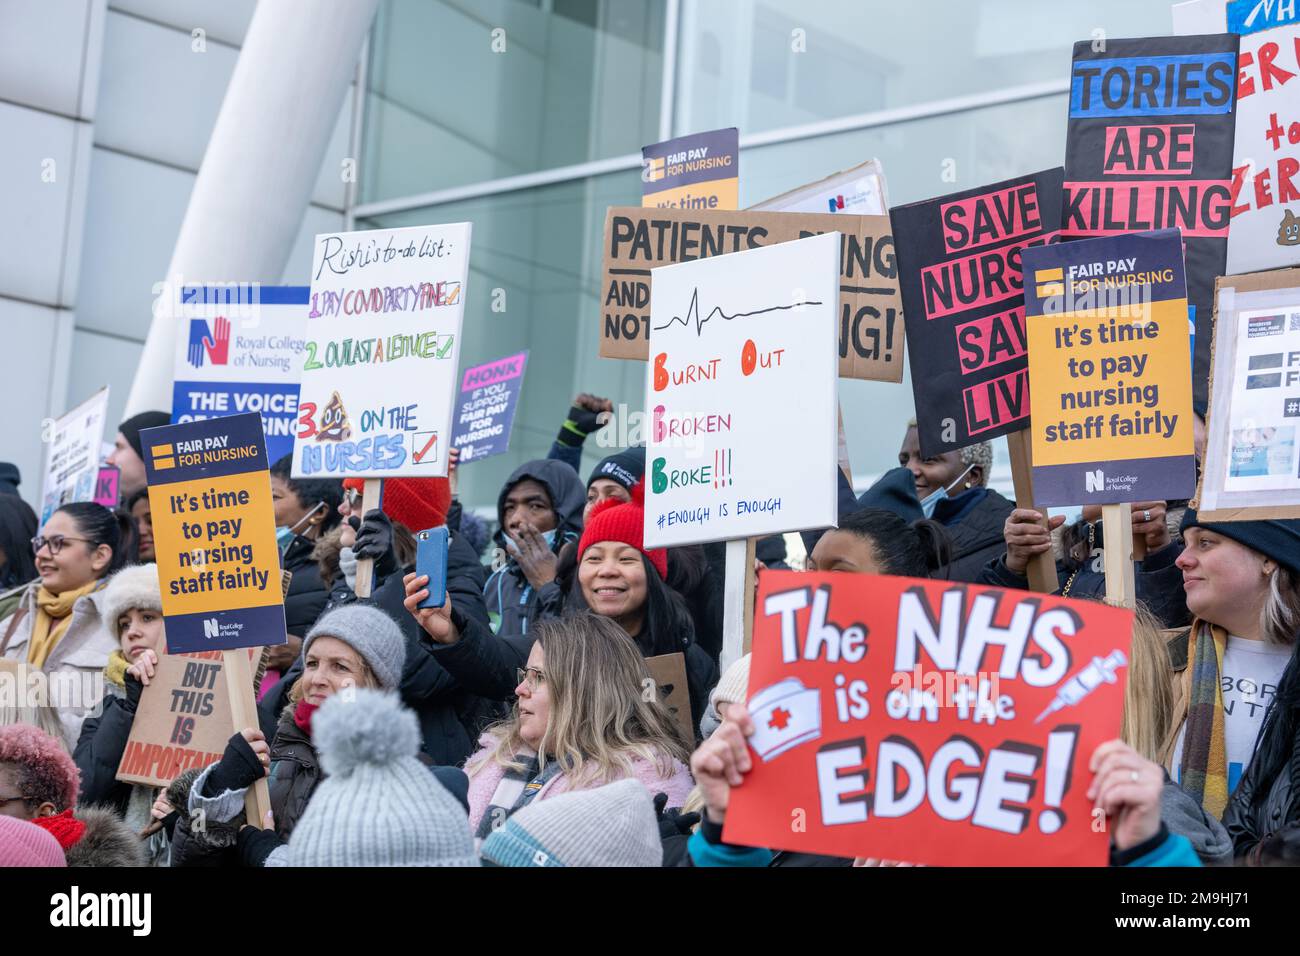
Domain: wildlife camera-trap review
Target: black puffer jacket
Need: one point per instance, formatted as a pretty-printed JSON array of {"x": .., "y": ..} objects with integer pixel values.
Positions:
[
  {"x": 511, "y": 600},
  {"x": 974, "y": 525},
  {"x": 307, "y": 592},
  {"x": 295, "y": 774},
  {"x": 487, "y": 664},
  {"x": 450, "y": 718},
  {"x": 99, "y": 751}
]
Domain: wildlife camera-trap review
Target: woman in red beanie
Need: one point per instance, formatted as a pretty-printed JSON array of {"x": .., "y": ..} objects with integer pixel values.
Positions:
[{"x": 617, "y": 578}]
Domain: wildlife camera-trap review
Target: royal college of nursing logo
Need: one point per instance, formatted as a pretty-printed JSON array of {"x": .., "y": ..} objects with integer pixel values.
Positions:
[{"x": 213, "y": 343}]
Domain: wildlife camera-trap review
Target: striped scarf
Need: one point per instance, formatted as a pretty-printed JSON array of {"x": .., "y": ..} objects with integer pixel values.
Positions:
[
  {"x": 515, "y": 791},
  {"x": 1204, "y": 771}
]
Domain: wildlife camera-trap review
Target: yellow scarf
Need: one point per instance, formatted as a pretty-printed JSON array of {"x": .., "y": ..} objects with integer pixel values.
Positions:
[
  {"x": 115, "y": 669},
  {"x": 53, "y": 615}
]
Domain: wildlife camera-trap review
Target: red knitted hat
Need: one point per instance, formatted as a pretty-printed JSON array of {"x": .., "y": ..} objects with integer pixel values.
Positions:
[
  {"x": 64, "y": 827},
  {"x": 614, "y": 520},
  {"x": 418, "y": 503}
]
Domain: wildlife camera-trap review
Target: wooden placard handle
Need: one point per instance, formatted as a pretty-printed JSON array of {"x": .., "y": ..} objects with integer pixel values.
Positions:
[
  {"x": 371, "y": 496},
  {"x": 243, "y": 712},
  {"x": 1042, "y": 567},
  {"x": 1117, "y": 553}
]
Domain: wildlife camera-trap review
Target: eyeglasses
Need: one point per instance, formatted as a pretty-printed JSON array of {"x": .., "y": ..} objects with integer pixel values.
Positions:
[
  {"x": 4, "y": 800},
  {"x": 55, "y": 541},
  {"x": 352, "y": 497},
  {"x": 531, "y": 675}
]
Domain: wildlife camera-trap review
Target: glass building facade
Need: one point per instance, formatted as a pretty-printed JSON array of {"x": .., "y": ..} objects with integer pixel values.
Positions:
[{"x": 527, "y": 117}]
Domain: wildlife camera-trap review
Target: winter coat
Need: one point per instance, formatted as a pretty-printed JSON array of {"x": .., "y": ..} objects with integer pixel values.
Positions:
[
  {"x": 107, "y": 841},
  {"x": 1267, "y": 833},
  {"x": 450, "y": 718},
  {"x": 1157, "y": 580},
  {"x": 974, "y": 520},
  {"x": 483, "y": 782},
  {"x": 511, "y": 600},
  {"x": 74, "y": 668},
  {"x": 97, "y": 755},
  {"x": 307, "y": 592},
  {"x": 487, "y": 664}
]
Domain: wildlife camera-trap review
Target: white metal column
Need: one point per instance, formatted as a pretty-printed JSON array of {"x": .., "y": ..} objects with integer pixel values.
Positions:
[{"x": 261, "y": 163}]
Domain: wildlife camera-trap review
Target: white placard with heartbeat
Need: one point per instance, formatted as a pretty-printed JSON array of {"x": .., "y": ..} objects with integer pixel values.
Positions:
[{"x": 741, "y": 392}]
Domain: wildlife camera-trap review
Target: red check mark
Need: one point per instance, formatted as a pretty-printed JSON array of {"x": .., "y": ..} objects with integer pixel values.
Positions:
[{"x": 419, "y": 456}]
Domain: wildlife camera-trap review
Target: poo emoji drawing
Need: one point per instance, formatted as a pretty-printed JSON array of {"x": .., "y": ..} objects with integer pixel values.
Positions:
[{"x": 1288, "y": 233}]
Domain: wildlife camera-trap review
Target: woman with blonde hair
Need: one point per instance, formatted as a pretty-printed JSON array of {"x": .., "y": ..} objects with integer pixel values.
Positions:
[
  {"x": 1148, "y": 695},
  {"x": 588, "y": 713}
]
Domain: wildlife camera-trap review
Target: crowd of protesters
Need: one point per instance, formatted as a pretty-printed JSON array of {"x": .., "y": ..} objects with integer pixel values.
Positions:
[{"x": 509, "y": 727}]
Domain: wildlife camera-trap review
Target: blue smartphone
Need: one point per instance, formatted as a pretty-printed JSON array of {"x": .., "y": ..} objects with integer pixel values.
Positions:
[{"x": 431, "y": 560}]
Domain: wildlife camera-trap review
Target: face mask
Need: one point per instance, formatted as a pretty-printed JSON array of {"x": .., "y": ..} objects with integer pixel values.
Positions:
[
  {"x": 932, "y": 500},
  {"x": 284, "y": 535}
]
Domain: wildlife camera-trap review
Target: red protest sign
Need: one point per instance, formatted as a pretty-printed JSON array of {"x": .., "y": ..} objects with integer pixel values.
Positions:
[{"x": 928, "y": 721}]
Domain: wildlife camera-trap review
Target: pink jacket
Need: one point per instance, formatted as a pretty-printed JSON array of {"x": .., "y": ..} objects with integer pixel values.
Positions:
[{"x": 483, "y": 784}]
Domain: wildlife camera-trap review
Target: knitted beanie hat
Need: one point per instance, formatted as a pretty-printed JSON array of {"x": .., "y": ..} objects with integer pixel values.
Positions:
[
  {"x": 614, "y": 825},
  {"x": 371, "y": 633},
  {"x": 25, "y": 844},
  {"x": 418, "y": 503},
  {"x": 627, "y": 467},
  {"x": 378, "y": 805},
  {"x": 135, "y": 586},
  {"x": 624, "y": 521},
  {"x": 730, "y": 689},
  {"x": 132, "y": 427},
  {"x": 1277, "y": 539}
]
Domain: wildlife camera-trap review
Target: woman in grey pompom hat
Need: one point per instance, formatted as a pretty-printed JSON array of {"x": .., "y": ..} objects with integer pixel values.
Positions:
[{"x": 351, "y": 648}]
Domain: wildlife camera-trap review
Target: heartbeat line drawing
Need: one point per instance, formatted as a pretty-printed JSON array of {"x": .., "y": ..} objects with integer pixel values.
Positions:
[{"x": 693, "y": 313}]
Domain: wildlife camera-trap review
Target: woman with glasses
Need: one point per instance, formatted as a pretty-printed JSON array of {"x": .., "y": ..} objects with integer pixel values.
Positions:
[
  {"x": 58, "y": 625},
  {"x": 581, "y": 720}
]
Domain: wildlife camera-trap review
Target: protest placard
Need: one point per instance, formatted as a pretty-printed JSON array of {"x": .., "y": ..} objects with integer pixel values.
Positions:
[
  {"x": 669, "y": 674},
  {"x": 1251, "y": 469},
  {"x": 183, "y": 719},
  {"x": 928, "y": 722},
  {"x": 1265, "y": 228},
  {"x": 239, "y": 348},
  {"x": 107, "y": 480},
  {"x": 214, "y": 534},
  {"x": 485, "y": 410},
  {"x": 1149, "y": 146},
  {"x": 72, "y": 454},
  {"x": 381, "y": 353},
  {"x": 1109, "y": 370},
  {"x": 856, "y": 191},
  {"x": 963, "y": 304},
  {"x": 869, "y": 320},
  {"x": 699, "y": 171},
  {"x": 733, "y": 338}
]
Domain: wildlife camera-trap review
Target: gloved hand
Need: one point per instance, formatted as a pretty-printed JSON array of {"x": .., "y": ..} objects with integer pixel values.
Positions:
[
  {"x": 133, "y": 691},
  {"x": 239, "y": 767},
  {"x": 586, "y": 414},
  {"x": 375, "y": 541},
  {"x": 254, "y": 845},
  {"x": 673, "y": 822}
]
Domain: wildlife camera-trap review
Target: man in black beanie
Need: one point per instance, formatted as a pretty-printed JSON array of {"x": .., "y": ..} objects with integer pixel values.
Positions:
[
  {"x": 613, "y": 477},
  {"x": 128, "y": 452}
]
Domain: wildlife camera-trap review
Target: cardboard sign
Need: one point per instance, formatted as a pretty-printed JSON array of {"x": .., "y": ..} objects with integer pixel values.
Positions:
[
  {"x": 733, "y": 339},
  {"x": 699, "y": 171},
  {"x": 72, "y": 455},
  {"x": 1252, "y": 469},
  {"x": 1149, "y": 146},
  {"x": 183, "y": 720},
  {"x": 1265, "y": 232},
  {"x": 106, "y": 486},
  {"x": 928, "y": 722},
  {"x": 856, "y": 191},
  {"x": 869, "y": 322},
  {"x": 669, "y": 673},
  {"x": 382, "y": 349},
  {"x": 1109, "y": 370},
  {"x": 214, "y": 534},
  {"x": 240, "y": 349},
  {"x": 963, "y": 301},
  {"x": 485, "y": 410}
]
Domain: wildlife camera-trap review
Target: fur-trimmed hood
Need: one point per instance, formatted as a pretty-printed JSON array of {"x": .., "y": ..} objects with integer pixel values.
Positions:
[
  {"x": 108, "y": 841},
  {"x": 135, "y": 586}
]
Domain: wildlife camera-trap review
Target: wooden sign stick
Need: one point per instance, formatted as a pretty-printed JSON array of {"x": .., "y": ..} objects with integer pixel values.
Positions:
[
  {"x": 1117, "y": 544},
  {"x": 243, "y": 711},
  {"x": 738, "y": 601},
  {"x": 1042, "y": 567},
  {"x": 371, "y": 497}
]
